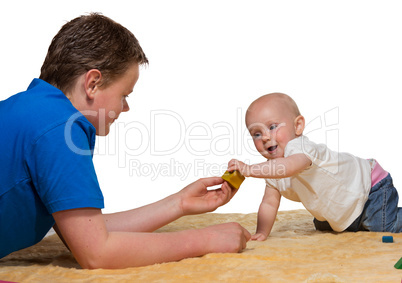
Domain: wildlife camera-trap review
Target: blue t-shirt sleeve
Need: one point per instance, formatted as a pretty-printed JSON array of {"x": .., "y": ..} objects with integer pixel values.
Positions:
[{"x": 62, "y": 170}]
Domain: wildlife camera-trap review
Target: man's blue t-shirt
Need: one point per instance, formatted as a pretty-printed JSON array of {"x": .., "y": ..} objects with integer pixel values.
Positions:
[{"x": 46, "y": 165}]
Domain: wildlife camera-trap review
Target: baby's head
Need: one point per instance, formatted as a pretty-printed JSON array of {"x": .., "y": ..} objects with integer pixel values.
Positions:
[{"x": 273, "y": 120}]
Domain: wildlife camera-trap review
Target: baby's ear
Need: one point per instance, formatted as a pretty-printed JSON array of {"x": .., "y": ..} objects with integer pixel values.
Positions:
[{"x": 299, "y": 125}]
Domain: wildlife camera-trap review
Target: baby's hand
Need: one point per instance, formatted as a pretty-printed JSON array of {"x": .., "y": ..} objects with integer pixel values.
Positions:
[
  {"x": 258, "y": 237},
  {"x": 243, "y": 168}
]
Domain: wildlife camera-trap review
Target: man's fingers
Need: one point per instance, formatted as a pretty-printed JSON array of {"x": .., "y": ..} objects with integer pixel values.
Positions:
[{"x": 211, "y": 181}]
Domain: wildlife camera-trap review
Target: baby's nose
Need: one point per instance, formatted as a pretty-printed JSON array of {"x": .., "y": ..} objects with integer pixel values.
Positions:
[{"x": 266, "y": 137}]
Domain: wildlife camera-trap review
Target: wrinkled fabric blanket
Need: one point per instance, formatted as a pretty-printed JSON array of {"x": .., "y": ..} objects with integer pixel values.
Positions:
[{"x": 294, "y": 252}]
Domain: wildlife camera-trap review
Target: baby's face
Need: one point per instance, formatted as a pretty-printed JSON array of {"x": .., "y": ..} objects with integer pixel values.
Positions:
[{"x": 272, "y": 125}]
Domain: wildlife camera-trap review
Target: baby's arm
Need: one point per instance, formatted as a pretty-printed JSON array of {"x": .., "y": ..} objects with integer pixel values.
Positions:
[
  {"x": 267, "y": 213},
  {"x": 274, "y": 168}
]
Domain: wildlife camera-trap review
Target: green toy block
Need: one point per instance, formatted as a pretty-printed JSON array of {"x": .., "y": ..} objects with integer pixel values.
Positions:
[
  {"x": 398, "y": 265},
  {"x": 234, "y": 178}
]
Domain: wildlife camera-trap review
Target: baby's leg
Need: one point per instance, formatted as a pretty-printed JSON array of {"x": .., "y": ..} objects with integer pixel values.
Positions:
[
  {"x": 322, "y": 225},
  {"x": 382, "y": 213},
  {"x": 398, "y": 222}
]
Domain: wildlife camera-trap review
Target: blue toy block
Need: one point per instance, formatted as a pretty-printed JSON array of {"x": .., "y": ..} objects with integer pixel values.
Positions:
[{"x": 387, "y": 239}]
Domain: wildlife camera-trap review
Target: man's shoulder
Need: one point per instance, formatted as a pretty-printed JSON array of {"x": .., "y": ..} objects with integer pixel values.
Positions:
[{"x": 39, "y": 109}]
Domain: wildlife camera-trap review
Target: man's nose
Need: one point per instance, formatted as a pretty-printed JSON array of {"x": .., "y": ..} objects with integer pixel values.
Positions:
[{"x": 125, "y": 106}]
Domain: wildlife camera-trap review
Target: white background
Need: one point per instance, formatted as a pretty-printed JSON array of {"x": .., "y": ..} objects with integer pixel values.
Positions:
[{"x": 340, "y": 60}]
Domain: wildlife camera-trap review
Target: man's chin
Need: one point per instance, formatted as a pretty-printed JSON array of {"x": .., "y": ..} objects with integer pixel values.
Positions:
[{"x": 104, "y": 131}]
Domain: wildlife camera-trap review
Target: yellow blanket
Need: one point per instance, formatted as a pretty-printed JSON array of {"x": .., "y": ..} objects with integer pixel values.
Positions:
[{"x": 294, "y": 252}]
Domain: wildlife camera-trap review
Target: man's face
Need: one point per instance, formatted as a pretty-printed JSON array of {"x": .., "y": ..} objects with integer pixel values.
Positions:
[{"x": 110, "y": 101}]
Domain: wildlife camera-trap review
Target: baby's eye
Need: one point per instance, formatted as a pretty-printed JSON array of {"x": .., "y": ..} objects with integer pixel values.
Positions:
[
  {"x": 256, "y": 135},
  {"x": 273, "y": 127}
]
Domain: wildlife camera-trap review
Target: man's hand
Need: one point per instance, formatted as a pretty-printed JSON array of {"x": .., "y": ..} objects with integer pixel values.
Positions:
[
  {"x": 226, "y": 238},
  {"x": 196, "y": 198}
]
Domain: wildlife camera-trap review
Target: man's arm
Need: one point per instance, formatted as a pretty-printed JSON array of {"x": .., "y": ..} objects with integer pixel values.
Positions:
[
  {"x": 84, "y": 230},
  {"x": 193, "y": 199},
  {"x": 120, "y": 240}
]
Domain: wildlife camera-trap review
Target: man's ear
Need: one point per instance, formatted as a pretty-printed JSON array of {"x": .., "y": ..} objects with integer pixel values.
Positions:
[
  {"x": 299, "y": 125},
  {"x": 92, "y": 80}
]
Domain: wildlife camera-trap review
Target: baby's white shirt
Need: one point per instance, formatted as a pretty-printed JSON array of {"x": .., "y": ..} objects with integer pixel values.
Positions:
[{"x": 334, "y": 188}]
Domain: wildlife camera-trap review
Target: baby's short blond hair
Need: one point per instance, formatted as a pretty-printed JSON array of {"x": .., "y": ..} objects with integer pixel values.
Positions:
[{"x": 284, "y": 98}]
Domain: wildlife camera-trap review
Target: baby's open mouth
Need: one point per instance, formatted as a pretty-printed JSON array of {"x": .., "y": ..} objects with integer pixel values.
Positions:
[{"x": 272, "y": 148}]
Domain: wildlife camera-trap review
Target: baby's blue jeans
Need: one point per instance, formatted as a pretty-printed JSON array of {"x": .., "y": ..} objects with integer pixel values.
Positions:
[{"x": 380, "y": 214}]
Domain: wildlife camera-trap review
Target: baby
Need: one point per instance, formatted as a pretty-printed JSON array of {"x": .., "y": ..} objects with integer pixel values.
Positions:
[{"x": 342, "y": 191}]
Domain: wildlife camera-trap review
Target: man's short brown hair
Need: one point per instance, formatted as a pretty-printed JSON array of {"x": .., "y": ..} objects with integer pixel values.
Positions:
[{"x": 90, "y": 42}]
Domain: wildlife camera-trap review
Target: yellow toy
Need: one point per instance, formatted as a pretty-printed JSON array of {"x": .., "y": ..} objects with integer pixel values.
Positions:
[{"x": 234, "y": 178}]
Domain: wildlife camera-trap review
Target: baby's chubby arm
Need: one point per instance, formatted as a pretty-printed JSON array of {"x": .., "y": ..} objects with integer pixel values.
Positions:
[
  {"x": 274, "y": 168},
  {"x": 267, "y": 213}
]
